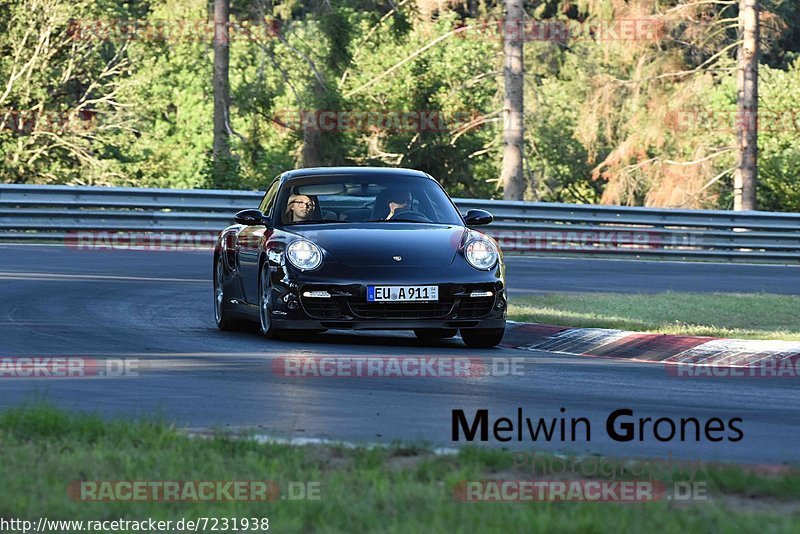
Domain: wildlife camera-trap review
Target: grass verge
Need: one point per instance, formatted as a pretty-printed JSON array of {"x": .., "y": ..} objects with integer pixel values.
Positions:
[
  {"x": 393, "y": 489},
  {"x": 727, "y": 315}
]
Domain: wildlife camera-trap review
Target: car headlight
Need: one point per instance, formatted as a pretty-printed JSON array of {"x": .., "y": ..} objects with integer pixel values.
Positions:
[
  {"x": 481, "y": 254},
  {"x": 304, "y": 255}
]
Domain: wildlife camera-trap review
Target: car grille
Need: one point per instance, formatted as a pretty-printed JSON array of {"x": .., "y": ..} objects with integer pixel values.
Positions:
[
  {"x": 322, "y": 308},
  {"x": 474, "y": 308},
  {"x": 405, "y": 310},
  {"x": 454, "y": 303}
]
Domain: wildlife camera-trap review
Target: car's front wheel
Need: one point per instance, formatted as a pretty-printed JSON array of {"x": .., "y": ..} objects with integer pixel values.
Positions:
[
  {"x": 432, "y": 334},
  {"x": 221, "y": 314},
  {"x": 265, "y": 302},
  {"x": 482, "y": 338}
]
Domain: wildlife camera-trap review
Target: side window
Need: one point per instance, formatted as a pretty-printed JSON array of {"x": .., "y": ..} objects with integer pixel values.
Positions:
[{"x": 269, "y": 198}]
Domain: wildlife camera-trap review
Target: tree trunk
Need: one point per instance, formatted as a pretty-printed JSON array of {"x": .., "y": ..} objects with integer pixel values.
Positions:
[
  {"x": 311, "y": 153},
  {"x": 221, "y": 148},
  {"x": 513, "y": 130},
  {"x": 745, "y": 177}
]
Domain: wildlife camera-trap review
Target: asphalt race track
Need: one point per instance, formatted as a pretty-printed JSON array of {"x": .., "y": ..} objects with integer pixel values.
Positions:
[
  {"x": 157, "y": 307},
  {"x": 527, "y": 275}
]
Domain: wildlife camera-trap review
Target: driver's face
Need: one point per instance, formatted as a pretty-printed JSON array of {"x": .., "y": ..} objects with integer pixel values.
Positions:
[
  {"x": 301, "y": 207},
  {"x": 395, "y": 205}
]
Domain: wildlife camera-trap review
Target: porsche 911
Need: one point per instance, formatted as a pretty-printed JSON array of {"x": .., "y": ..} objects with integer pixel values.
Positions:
[{"x": 363, "y": 249}]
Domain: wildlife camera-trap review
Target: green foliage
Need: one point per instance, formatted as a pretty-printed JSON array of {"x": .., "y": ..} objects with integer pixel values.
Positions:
[
  {"x": 779, "y": 139},
  {"x": 592, "y": 134},
  {"x": 403, "y": 487},
  {"x": 725, "y": 315}
]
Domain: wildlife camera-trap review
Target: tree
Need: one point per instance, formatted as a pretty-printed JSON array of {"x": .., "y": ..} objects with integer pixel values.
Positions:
[
  {"x": 513, "y": 128},
  {"x": 221, "y": 147},
  {"x": 745, "y": 177},
  {"x": 59, "y": 97}
]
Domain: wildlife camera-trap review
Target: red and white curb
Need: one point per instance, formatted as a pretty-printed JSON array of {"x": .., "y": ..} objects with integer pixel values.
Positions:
[{"x": 661, "y": 348}]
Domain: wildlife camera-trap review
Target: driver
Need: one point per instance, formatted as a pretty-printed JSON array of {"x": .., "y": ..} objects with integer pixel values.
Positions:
[
  {"x": 299, "y": 208},
  {"x": 399, "y": 200}
]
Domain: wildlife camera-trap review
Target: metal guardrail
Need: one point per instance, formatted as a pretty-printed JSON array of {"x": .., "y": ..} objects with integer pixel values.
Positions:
[{"x": 117, "y": 216}]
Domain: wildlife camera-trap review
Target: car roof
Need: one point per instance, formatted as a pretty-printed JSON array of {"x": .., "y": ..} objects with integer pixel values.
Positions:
[{"x": 321, "y": 171}]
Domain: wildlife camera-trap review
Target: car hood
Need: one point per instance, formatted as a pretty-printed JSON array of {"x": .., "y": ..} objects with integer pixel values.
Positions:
[{"x": 373, "y": 244}]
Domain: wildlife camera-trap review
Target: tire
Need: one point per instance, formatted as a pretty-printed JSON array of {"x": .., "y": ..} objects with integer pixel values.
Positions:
[
  {"x": 432, "y": 334},
  {"x": 221, "y": 314},
  {"x": 482, "y": 338},
  {"x": 265, "y": 302}
]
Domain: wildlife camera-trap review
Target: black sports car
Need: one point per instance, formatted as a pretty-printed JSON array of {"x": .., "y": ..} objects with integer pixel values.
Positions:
[{"x": 360, "y": 248}]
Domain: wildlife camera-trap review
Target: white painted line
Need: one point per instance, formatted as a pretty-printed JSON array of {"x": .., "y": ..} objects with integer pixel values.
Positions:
[
  {"x": 302, "y": 441},
  {"x": 633, "y": 260},
  {"x": 99, "y": 248},
  {"x": 14, "y": 275}
]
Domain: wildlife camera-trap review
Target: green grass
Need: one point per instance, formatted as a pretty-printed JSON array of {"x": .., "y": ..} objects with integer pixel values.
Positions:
[
  {"x": 394, "y": 489},
  {"x": 728, "y": 315}
]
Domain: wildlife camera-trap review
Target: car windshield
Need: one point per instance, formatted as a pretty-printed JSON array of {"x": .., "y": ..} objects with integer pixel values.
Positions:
[{"x": 365, "y": 198}]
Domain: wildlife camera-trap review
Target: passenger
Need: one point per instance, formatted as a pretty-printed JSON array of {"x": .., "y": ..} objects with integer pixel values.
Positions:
[{"x": 299, "y": 208}]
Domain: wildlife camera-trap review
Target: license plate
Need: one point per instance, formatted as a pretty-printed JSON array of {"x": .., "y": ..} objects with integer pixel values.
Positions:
[{"x": 402, "y": 293}]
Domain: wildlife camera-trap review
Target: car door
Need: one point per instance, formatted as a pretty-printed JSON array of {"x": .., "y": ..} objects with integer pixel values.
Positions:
[{"x": 249, "y": 245}]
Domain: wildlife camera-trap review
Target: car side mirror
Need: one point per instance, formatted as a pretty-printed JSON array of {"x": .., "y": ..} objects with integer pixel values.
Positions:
[
  {"x": 251, "y": 218},
  {"x": 478, "y": 218}
]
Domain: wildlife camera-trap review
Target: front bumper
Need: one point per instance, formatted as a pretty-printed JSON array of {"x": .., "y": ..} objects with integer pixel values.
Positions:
[
  {"x": 284, "y": 324},
  {"x": 347, "y": 306}
]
